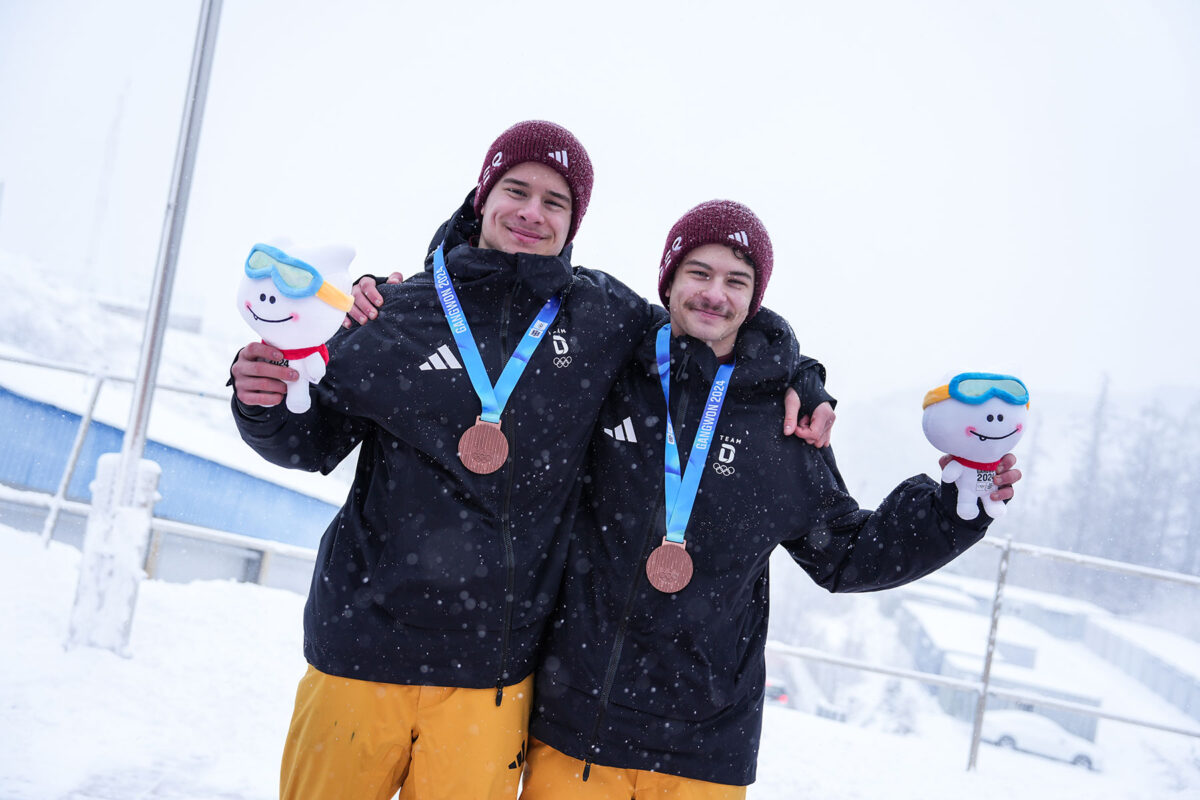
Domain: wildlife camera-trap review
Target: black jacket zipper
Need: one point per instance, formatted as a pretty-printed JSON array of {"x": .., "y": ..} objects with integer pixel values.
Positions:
[
  {"x": 619, "y": 641},
  {"x": 510, "y": 559}
]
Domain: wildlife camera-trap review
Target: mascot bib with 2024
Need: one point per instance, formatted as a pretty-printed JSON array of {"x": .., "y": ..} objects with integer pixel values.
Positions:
[
  {"x": 976, "y": 418},
  {"x": 292, "y": 301}
]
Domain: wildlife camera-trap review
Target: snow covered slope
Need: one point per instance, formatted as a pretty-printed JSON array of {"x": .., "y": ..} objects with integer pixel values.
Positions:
[{"x": 200, "y": 710}]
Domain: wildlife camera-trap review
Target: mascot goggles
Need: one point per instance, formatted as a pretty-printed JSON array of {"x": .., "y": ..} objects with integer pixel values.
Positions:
[
  {"x": 293, "y": 277},
  {"x": 974, "y": 388}
]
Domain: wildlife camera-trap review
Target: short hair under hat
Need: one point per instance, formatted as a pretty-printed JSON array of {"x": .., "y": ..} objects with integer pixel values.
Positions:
[
  {"x": 719, "y": 222},
  {"x": 544, "y": 143}
]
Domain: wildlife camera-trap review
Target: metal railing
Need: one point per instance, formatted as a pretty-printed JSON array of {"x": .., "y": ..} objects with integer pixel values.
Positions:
[
  {"x": 982, "y": 688},
  {"x": 267, "y": 549}
]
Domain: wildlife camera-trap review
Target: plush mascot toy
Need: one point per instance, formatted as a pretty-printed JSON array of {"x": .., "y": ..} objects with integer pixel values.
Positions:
[
  {"x": 290, "y": 301},
  {"x": 976, "y": 418}
]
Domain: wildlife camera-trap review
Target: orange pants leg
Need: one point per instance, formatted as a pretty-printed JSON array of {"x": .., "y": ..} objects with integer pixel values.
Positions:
[
  {"x": 551, "y": 775},
  {"x": 467, "y": 747},
  {"x": 348, "y": 739}
]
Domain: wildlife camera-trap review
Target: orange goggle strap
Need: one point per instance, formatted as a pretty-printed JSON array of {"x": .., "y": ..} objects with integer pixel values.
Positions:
[
  {"x": 334, "y": 296},
  {"x": 936, "y": 396}
]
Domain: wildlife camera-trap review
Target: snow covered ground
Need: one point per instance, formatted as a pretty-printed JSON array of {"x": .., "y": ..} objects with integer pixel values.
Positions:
[{"x": 200, "y": 709}]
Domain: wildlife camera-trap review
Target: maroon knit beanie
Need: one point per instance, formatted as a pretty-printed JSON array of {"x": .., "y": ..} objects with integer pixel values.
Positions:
[
  {"x": 544, "y": 143},
  {"x": 719, "y": 222}
]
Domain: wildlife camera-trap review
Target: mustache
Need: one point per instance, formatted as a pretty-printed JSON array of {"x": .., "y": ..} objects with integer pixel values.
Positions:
[{"x": 700, "y": 305}]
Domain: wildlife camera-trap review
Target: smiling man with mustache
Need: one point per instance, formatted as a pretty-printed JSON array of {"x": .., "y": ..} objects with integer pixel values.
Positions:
[{"x": 652, "y": 679}]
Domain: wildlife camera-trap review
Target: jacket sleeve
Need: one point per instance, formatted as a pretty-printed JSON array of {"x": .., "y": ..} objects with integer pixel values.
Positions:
[
  {"x": 631, "y": 313},
  {"x": 809, "y": 382},
  {"x": 315, "y": 441},
  {"x": 807, "y": 374},
  {"x": 914, "y": 531}
]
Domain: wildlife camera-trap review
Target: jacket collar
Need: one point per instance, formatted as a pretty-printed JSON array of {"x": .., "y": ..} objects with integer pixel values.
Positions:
[
  {"x": 544, "y": 276},
  {"x": 765, "y": 350}
]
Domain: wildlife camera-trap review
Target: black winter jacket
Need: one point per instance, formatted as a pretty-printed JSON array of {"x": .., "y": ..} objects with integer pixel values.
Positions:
[
  {"x": 431, "y": 574},
  {"x": 637, "y": 679}
]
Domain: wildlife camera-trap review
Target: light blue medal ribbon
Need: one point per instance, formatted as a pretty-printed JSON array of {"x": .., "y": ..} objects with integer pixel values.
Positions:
[
  {"x": 680, "y": 490},
  {"x": 484, "y": 449}
]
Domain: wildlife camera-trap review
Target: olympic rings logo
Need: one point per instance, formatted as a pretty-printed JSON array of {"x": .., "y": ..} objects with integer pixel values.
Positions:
[
  {"x": 562, "y": 361},
  {"x": 723, "y": 469}
]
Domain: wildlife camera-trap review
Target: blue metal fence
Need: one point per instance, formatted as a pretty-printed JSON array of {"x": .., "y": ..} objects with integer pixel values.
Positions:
[{"x": 36, "y": 437}]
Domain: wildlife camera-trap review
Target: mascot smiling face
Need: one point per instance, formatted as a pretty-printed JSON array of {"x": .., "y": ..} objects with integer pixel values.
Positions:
[
  {"x": 286, "y": 298},
  {"x": 983, "y": 432}
]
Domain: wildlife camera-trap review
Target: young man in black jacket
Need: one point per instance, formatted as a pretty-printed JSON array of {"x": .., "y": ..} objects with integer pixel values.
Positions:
[
  {"x": 652, "y": 681},
  {"x": 434, "y": 583}
]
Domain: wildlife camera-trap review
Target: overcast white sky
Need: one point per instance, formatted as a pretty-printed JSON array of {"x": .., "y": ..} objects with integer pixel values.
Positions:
[{"x": 948, "y": 185}]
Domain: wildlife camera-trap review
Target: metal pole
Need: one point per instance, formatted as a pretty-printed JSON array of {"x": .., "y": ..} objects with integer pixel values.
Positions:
[
  {"x": 69, "y": 471},
  {"x": 985, "y": 679},
  {"x": 134, "y": 443},
  {"x": 264, "y": 567},
  {"x": 118, "y": 529},
  {"x": 151, "y": 565}
]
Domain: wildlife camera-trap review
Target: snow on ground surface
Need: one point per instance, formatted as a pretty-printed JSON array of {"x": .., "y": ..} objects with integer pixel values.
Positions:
[{"x": 199, "y": 711}]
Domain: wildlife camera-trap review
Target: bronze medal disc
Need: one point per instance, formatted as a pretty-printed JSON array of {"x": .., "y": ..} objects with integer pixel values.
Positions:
[
  {"x": 669, "y": 567},
  {"x": 483, "y": 448}
]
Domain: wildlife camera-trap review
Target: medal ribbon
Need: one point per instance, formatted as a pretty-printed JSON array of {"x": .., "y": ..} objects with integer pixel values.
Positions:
[
  {"x": 493, "y": 398},
  {"x": 680, "y": 490}
]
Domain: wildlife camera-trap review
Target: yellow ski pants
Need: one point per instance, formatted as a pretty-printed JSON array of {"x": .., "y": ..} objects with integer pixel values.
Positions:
[
  {"x": 358, "y": 740},
  {"x": 551, "y": 775}
]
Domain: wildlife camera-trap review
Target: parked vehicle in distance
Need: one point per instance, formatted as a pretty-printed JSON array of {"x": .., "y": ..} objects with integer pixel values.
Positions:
[
  {"x": 1034, "y": 733},
  {"x": 777, "y": 693}
]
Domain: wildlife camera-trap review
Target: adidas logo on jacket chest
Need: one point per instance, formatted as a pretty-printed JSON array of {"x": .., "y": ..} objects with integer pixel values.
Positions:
[
  {"x": 720, "y": 458},
  {"x": 445, "y": 357}
]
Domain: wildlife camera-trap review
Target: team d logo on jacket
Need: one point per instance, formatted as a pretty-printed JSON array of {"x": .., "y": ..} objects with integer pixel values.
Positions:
[
  {"x": 723, "y": 465},
  {"x": 562, "y": 348}
]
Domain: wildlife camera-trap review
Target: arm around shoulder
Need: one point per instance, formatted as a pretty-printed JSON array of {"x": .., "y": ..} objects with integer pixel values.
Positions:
[{"x": 630, "y": 310}]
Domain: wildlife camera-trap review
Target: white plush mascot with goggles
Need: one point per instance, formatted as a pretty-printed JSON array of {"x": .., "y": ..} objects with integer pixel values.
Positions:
[
  {"x": 292, "y": 302},
  {"x": 977, "y": 418}
]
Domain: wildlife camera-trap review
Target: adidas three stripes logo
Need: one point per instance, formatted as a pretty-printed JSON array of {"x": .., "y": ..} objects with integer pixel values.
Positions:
[
  {"x": 622, "y": 432},
  {"x": 442, "y": 359}
]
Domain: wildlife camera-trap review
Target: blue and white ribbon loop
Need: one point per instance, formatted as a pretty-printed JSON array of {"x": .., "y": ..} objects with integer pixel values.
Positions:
[
  {"x": 495, "y": 398},
  {"x": 680, "y": 490}
]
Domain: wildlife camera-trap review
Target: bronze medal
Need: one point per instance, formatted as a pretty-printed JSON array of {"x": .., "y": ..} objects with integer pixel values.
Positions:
[
  {"x": 483, "y": 448},
  {"x": 669, "y": 567}
]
